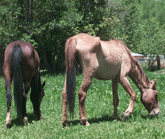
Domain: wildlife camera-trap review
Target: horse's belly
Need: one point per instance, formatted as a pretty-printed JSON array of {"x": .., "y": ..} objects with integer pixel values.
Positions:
[
  {"x": 107, "y": 72},
  {"x": 109, "y": 65}
]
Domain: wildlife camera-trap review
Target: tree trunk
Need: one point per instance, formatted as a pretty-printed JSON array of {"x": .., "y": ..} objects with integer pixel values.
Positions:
[
  {"x": 158, "y": 62},
  {"x": 28, "y": 19},
  {"x": 46, "y": 63},
  {"x": 151, "y": 65},
  {"x": 31, "y": 18},
  {"x": 53, "y": 63},
  {"x": 0, "y": 62}
]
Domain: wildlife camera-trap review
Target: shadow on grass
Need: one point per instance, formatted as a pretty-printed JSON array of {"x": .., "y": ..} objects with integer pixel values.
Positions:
[
  {"x": 18, "y": 122},
  {"x": 109, "y": 118},
  {"x": 149, "y": 117},
  {"x": 94, "y": 120}
]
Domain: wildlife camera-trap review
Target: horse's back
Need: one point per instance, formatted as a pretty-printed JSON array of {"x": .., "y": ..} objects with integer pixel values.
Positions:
[
  {"x": 30, "y": 61},
  {"x": 26, "y": 47},
  {"x": 113, "y": 59},
  {"x": 87, "y": 47},
  {"x": 86, "y": 42}
]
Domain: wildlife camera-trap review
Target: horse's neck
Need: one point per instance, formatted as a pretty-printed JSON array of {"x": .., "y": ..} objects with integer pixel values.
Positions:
[{"x": 138, "y": 76}]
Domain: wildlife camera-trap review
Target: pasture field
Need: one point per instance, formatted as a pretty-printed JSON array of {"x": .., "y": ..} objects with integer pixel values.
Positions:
[{"x": 99, "y": 111}]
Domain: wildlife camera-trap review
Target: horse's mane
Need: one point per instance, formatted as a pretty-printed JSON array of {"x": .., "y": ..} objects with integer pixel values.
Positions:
[
  {"x": 134, "y": 62},
  {"x": 125, "y": 48}
]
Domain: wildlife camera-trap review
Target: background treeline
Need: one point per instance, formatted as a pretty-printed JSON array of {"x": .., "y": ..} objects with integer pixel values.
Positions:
[{"x": 48, "y": 23}]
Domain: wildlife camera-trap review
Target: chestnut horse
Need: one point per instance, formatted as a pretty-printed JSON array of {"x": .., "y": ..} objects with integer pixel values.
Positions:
[
  {"x": 21, "y": 63},
  {"x": 104, "y": 60}
]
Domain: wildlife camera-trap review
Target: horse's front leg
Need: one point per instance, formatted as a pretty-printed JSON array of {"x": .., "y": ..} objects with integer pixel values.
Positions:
[
  {"x": 115, "y": 96},
  {"x": 24, "y": 99},
  {"x": 126, "y": 85},
  {"x": 82, "y": 96}
]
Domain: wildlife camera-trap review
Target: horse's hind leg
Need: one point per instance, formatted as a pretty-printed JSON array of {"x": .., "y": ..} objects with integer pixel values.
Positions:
[
  {"x": 26, "y": 89},
  {"x": 82, "y": 96},
  {"x": 115, "y": 96},
  {"x": 8, "y": 79},
  {"x": 64, "y": 114}
]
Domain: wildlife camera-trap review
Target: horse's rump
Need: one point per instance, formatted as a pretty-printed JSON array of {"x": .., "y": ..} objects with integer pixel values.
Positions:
[{"x": 16, "y": 64}]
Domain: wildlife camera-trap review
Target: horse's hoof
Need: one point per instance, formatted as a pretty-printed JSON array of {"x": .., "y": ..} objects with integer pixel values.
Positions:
[
  {"x": 84, "y": 122},
  {"x": 8, "y": 123},
  {"x": 25, "y": 120},
  {"x": 41, "y": 118},
  {"x": 65, "y": 125},
  {"x": 8, "y": 126},
  {"x": 64, "y": 122},
  {"x": 87, "y": 124},
  {"x": 123, "y": 118},
  {"x": 115, "y": 117}
]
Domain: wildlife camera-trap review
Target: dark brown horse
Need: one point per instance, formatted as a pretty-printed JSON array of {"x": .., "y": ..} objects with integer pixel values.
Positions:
[
  {"x": 22, "y": 64},
  {"x": 104, "y": 60}
]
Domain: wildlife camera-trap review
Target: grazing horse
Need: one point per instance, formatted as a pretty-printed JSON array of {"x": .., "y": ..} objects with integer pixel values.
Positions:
[
  {"x": 21, "y": 63},
  {"x": 104, "y": 60}
]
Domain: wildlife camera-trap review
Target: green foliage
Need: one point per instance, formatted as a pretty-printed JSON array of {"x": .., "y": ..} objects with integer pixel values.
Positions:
[
  {"x": 8, "y": 21},
  {"x": 107, "y": 29},
  {"x": 130, "y": 19},
  {"x": 99, "y": 112},
  {"x": 47, "y": 25},
  {"x": 149, "y": 36},
  {"x": 152, "y": 37}
]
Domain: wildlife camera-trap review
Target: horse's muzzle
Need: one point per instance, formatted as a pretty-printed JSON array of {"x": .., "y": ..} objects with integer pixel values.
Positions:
[{"x": 154, "y": 112}]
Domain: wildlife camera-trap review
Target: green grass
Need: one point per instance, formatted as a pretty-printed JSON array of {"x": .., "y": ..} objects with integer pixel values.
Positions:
[{"x": 99, "y": 111}]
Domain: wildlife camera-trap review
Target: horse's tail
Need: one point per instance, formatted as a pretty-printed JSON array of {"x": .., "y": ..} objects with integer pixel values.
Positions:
[
  {"x": 70, "y": 59},
  {"x": 16, "y": 63}
]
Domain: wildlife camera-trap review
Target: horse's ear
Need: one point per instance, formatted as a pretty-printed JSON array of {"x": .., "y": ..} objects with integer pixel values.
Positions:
[
  {"x": 43, "y": 84},
  {"x": 153, "y": 84}
]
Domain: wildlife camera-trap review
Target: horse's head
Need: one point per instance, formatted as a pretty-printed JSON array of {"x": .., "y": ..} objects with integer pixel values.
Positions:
[{"x": 149, "y": 99}]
